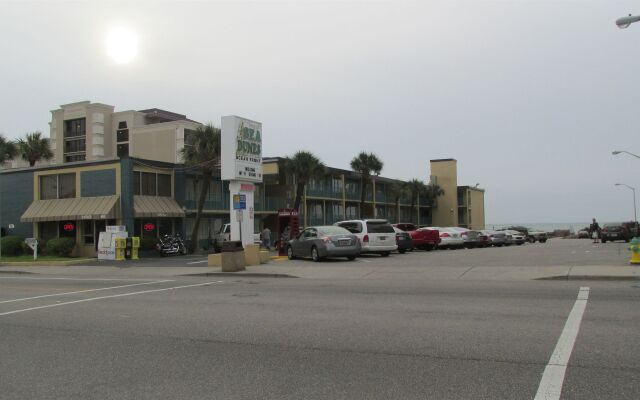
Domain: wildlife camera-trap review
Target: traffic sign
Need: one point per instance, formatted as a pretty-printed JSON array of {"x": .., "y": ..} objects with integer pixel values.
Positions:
[{"x": 239, "y": 201}]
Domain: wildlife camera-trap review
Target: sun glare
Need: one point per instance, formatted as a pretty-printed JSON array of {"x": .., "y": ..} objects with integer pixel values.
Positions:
[{"x": 121, "y": 45}]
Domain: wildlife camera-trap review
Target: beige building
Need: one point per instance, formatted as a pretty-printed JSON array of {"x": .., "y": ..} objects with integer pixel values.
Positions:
[
  {"x": 460, "y": 205},
  {"x": 86, "y": 131}
]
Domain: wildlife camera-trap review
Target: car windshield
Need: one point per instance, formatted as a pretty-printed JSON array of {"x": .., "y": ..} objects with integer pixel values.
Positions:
[
  {"x": 379, "y": 227},
  {"x": 333, "y": 230}
]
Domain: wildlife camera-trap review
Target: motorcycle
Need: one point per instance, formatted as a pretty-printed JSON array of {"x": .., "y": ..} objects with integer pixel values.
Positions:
[{"x": 169, "y": 245}]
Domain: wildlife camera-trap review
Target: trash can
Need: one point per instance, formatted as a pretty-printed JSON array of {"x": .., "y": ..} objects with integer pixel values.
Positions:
[
  {"x": 121, "y": 245},
  {"x": 135, "y": 246},
  {"x": 232, "y": 256}
]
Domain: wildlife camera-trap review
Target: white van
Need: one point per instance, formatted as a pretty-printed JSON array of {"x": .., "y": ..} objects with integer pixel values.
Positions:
[{"x": 376, "y": 235}]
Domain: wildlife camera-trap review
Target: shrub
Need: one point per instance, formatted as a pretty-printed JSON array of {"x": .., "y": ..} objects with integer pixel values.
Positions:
[
  {"x": 11, "y": 245},
  {"x": 148, "y": 243},
  {"x": 61, "y": 247}
]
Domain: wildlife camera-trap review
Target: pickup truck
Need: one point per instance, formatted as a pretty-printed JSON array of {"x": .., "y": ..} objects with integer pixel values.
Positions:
[
  {"x": 423, "y": 238},
  {"x": 224, "y": 235}
]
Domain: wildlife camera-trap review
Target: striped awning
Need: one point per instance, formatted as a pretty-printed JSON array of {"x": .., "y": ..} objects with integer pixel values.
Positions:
[
  {"x": 102, "y": 207},
  {"x": 156, "y": 206}
]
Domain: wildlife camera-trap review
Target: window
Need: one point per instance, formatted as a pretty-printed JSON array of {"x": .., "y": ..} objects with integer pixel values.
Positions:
[
  {"x": 122, "y": 135},
  {"x": 75, "y": 157},
  {"x": 75, "y": 127},
  {"x": 67, "y": 229},
  {"x": 75, "y": 145},
  {"x": 136, "y": 183},
  {"x": 48, "y": 230},
  {"x": 87, "y": 232},
  {"x": 148, "y": 187},
  {"x": 164, "y": 185},
  {"x": 61, "y": 186},
  {"x": 123, "y": 149}
]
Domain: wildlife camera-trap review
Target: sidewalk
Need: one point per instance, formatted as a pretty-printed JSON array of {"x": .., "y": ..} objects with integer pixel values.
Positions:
[{"x": 311, "y": 270}]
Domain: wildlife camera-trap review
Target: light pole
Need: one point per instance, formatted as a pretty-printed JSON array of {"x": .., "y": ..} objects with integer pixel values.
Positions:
[
  {"x": 615, "y": 153},
  {"x": 624, "y": 22},
  {"x": 635, "y": 218}
]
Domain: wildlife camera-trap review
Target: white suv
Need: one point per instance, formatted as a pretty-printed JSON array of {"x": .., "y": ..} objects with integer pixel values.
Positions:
[{"x": 376, "y": 235}]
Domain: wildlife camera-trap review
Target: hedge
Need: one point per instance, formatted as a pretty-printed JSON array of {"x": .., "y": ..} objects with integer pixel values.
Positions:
[
  {"x": 11, "y": 245},
  {"x": 61, "y": 247}
]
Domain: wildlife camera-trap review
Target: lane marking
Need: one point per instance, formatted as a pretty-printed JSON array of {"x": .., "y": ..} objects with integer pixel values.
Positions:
[
  {"x": 553, "y": 377},
  {"x": 73, "y": 279},
  {"x": 107, "y": 297},
  {"x": 361, "y": 260},
  {"x": 83, "y": 291},
  {"x": 197, "y": 262}
]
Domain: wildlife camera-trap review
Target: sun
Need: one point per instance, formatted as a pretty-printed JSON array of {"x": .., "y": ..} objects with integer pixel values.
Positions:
[{"x": 121, "y": 45}]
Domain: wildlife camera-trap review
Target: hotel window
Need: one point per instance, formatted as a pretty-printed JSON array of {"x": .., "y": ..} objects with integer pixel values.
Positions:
[
  {"x": 61, "y": 186},
  {"x": 75, "y": 144},
  {"x": 148, "y": 184},
  {"x": 151, "y": 184},
  {"x": 75, "y": 128},
  {"x": 122, "y": 139},
  {"x": 164, "y": 185}
]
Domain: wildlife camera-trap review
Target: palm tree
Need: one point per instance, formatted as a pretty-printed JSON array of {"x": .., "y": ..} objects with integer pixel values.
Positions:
[
  {"x": 398, "y": 190},
  {"x": 433, "y": 191},
  {"x": 416, "y": 188},
  {"x": 202, "y": 150},
  {"x": 303, "y": 166},
  {"x": 366, "y": 164},
  {"x": 34, "y": 148},
  {"x": 8, "y": 150}
]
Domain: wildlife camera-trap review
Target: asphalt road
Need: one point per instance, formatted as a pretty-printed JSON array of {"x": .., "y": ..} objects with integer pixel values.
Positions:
[{"x": 314, "y": 339}]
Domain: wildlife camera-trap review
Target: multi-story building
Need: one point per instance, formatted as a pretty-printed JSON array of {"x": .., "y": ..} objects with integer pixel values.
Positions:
[{"x": 125, "y": 168}]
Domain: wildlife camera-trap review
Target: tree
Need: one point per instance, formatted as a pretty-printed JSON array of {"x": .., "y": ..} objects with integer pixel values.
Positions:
[
  {"x": 8, "y": 150},
  {"x": 398, "y": 190},
  {"x": 202, "y": 150},
  {"x": 366, "y": 164},
  {"x": 416, "y": 188},
  {"x": 303, "y": 166},
  {"x": 33, "y": 148},
  {"x": 433, "y": 191}
]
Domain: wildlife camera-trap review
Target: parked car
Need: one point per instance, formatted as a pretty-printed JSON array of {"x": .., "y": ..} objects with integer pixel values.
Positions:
[
  {"x": 449, "y": 238},
  {"x": 584, "y": 233},
  {"x": 614, "y": 231},
  {"x": 474, "y": 239},
  {"x": 537, "y": 236},
  {"x": 403, "y": 240},
  {"x": 376, "y": 235},
  {"x": 423, "y": 238},
  {"x": 319, "y": 242},
  {"x": 516, "y": 237},
  {"x": 497, "y": 239}
]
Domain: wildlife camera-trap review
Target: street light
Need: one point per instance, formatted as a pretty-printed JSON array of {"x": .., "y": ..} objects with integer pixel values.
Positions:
[
  {"x": 615, "y": 153},
  {"x": 635, "y": 218},
  {"x": 624, "y": 22}
]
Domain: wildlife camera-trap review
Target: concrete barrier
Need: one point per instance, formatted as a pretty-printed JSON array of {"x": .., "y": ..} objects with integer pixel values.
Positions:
[
  {"x": 214, "y": 260},
  {"x": 265, "y": 256},
  {"x": 252, "y": 254},
  {"x": 232, "y": 261}
]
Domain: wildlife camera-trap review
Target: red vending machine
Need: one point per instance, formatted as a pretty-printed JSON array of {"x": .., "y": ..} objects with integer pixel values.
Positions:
[{"x": 288, "y": 228}]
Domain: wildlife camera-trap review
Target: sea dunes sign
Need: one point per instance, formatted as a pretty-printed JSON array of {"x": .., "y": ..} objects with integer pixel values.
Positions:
[{"x": 241, "y": 149}]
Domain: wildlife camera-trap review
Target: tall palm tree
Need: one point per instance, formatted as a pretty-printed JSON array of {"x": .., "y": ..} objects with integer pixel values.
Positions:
[
  {"x": 398, "y": 190},
  {"x": 433, "y": 191},
  {"x": 416, "y": 188},
  {"x": 303, "y": 166},
  {"x": 8, "y": 150},
  {"x": 33, "y": 148},
  {"x": 366, "y": 164},
  {"x": 202, "y": 150}
]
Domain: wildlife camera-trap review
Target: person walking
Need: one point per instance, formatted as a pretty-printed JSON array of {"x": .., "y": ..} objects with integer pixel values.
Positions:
[
  {"x": 594, "y": 231},
  {"x": 266, "y": 238}
]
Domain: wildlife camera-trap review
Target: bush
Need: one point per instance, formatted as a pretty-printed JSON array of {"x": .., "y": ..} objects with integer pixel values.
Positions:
[
  {"x": 61, "y": 247},
  {"x": 11, "y": 245},
  {"x": 148, "y": 243}
]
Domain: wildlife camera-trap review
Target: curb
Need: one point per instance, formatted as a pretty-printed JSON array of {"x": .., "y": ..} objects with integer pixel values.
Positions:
[
  {"x": 15, "y": 272},
  {"x": 589, "y": 278},
  {"x": 242, "y": 274},
  {"x": 79, "y": 261}
]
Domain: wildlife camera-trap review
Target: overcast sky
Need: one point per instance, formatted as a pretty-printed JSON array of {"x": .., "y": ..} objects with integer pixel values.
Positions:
[{"x": 530, "y": 97}]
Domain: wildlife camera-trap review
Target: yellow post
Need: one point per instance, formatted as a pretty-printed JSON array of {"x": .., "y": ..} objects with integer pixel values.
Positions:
[{"x": 635, "y": 251}]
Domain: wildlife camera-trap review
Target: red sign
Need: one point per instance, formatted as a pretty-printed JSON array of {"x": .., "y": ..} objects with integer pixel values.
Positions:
[
  {"x": 149, "y": 227},
  {"x": 68, "y": 227},
  {"x": 246, "y": 187}
]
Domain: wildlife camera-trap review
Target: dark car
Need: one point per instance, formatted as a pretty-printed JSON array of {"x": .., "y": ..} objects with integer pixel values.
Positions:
[
  {"x": 403, "y": 240},
  {"x": 319, "y": 242},
  {"x": 614, "y": 231}
]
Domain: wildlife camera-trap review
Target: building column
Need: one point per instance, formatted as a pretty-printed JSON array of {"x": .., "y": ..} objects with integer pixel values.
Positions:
[{"x": 344, "y": 199}]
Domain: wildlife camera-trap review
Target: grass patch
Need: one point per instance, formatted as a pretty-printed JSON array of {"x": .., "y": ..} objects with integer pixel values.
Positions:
[{"x": 29, "y": 258}]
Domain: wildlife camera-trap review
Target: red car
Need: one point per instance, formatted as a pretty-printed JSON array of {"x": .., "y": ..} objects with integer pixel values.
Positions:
[{"x": 423, "y": 238}]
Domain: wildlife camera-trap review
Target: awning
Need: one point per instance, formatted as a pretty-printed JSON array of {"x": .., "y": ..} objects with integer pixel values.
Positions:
[
  {"x": 156, "y": 206},
  {"x": 103, "y": 207}
]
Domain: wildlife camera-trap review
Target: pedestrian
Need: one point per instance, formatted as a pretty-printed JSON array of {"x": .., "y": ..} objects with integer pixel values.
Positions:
[
  {"x": 266, "y": 238},
  {"x": 594, "y": 231}
]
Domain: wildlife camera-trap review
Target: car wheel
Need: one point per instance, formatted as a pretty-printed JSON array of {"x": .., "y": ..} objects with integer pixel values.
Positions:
[
  {"x": 385, "y": 253},
  {"x": 604, "y": 240},
  {"x": 428, "y": 247},
  {"x": 351, "y": 258},
  {"x": 402, "y": 251},
  {"x": 315, "y": 256},
  {"x": 290, "y": 253}
]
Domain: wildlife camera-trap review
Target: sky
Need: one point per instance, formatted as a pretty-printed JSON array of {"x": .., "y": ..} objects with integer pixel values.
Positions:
[{"x": 530, "y": 97}]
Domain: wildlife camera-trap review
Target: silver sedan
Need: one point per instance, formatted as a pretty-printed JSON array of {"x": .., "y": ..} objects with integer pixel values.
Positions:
[{"x": 319, "y": 242}]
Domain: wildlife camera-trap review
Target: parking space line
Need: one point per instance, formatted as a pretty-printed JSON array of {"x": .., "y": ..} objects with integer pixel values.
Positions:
[
  {"x": 83, "y": 291},
  {"x": 107, "y": 297},
  {"x": 72, "y": 279},
  {"x": 198, "y": 262},
  {"x": 553, "y": 377}
]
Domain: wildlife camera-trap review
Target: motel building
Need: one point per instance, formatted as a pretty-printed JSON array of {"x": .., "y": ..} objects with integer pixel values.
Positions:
[{"x": 125, "y": 168}]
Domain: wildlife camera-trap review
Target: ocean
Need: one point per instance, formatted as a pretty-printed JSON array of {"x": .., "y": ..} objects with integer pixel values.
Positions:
[{"x": 545, "y": 227}]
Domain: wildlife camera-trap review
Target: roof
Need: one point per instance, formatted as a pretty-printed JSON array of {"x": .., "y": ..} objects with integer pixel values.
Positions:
[
  {"x": 156, "y": 206},
  {"x": 165, "y": 115},
  {"x": 78, "y": 208},
  {"x": 443, "y": 159}
]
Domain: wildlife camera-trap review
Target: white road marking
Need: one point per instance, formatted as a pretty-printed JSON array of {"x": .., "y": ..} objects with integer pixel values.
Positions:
[
  {"x": 107, "y": 297},
  {"x": 83, "y": 291},
  {"x": 553, "y": 377},
  {"x": 72, "y": 279},
  {"x": 197, "y": 262},
  {"x": 360, "y": 259}
]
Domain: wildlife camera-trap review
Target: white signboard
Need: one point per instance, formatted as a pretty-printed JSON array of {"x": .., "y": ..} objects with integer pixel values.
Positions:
[
  {"x": 107, "y": 243},
  {"x": 241, "y": 149}
]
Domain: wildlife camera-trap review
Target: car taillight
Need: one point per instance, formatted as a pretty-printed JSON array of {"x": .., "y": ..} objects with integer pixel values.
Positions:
[
  {"x": 444, "y": 234},
  {"x": 365, "y": 239}
]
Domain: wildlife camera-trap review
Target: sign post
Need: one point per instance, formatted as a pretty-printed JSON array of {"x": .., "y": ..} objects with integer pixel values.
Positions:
[
  {"x": 33, "y": 243},
  {"x": 242, "y": 167}
]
